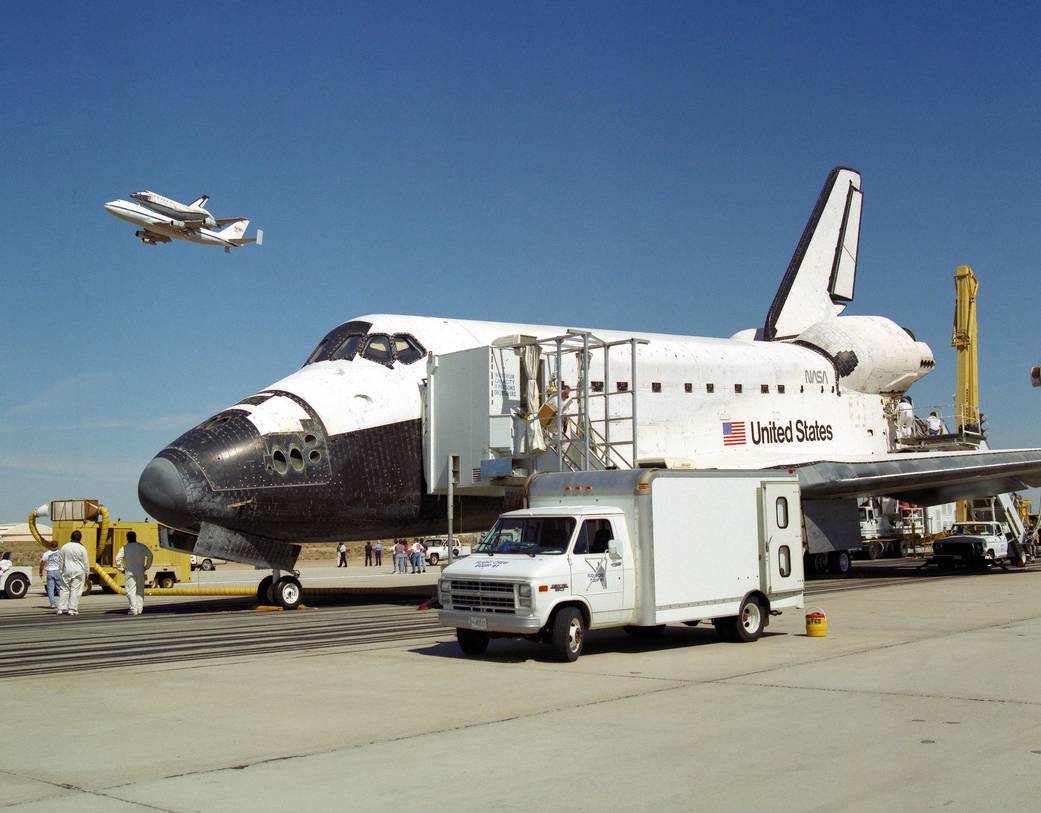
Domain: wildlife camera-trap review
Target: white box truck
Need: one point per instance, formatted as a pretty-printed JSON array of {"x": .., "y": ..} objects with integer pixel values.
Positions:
[{"x": 631, "y": 548}]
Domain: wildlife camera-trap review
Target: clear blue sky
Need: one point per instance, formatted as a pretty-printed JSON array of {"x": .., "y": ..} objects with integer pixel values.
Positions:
[{"x": 639, "y": 166}]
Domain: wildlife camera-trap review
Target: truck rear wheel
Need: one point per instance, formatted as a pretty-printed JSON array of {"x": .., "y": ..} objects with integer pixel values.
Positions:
[
  {"x": 840, "y": 562},
  {"x": 874, "y": 550},
  {"x": 165, "y": 581},
  {"x": 569, "y": 634},
  {"x": 472, "y": 642},
  {"x": 433, "y": 559},
  {"x": 16, "y": 586},
  {"x": 744, "y": 627}
]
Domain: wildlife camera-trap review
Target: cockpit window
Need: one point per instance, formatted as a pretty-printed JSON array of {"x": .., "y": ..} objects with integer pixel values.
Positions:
[
  {"x": 349, "y": 349},
  {"x": 378, "y": 349},
  {"x": 350, "y": 340},
  {"x": 407, "y": 349},
  {"x": 334, "y": 339}
]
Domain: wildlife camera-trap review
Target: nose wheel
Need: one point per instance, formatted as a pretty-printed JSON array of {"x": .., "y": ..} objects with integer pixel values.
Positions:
[{"x": 286, "y": 593}]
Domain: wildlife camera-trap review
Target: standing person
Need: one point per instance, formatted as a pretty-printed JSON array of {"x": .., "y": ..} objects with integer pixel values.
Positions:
[
  {"x": 399, "y": 556},
  {"x": 50, "y": 568},
  {"x": 419, "y": 564},
  {"x": 134, "y": 559},
  {"x": 378, "y": 550},
  {"x": 341, "y": 549},
  {"x": 5, "y": 561},
  {"x": 368, "y": 554},
  {"x": 75, "y": 563},
  {"x": 934, "y": 424}
]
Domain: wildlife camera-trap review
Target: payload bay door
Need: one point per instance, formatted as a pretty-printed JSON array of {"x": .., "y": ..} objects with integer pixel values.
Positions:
[{"x": 781, "y": 546}]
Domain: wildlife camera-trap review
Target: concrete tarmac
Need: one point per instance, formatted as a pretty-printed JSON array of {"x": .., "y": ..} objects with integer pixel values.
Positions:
[{"x": 923, "y": 697}]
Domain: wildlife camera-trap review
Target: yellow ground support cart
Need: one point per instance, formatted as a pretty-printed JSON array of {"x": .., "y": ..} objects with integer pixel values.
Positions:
[{"x": 103, "y": 539}]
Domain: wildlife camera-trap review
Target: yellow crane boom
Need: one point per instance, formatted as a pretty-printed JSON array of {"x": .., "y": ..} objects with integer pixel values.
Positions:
[{"x": 964, "y": 340}]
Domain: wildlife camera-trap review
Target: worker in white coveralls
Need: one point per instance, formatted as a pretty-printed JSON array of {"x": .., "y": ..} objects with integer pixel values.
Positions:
[
  {"x": 905, "y": 418},
  {"x": 134, "y": 559},
  {"x": 75, "y": 564}
]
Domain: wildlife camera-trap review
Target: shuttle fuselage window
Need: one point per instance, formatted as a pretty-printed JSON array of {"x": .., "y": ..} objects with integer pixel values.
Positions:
[
  {"x": 351, "y": 339},
  {"x": 311, "y": 359},
  {"x": 349, "y": 349},
  {"x": 334, "y": 338},
  {"x": 378, "y": 349},
  {"x": 407, "y": 349}
]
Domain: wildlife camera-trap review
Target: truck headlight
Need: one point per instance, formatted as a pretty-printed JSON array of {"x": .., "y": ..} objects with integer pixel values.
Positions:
[
  {"x": 445, "y": 587},
  {"x": 524, "y": 595}
]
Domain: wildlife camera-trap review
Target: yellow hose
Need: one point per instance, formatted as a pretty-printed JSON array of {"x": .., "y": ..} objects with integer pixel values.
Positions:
[
  {"x": 33, "y": 530},
  {"x": 111, "y": 584}
]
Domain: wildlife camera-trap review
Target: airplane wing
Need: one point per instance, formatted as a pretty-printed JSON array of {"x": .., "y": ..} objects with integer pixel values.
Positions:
[
  {"x": 820, "y": 278},
  {"x": 924, "y": 479}
]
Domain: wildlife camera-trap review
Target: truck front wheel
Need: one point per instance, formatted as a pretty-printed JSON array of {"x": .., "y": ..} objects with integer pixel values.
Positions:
[
  {"x": 16, "y": 586},
  {"x": 746, "y": 626},
  {"x": 472, "y": 642},
  {"x": 569, "y": 634}
]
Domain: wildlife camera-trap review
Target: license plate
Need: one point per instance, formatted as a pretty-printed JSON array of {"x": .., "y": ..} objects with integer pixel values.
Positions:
[{"x": 478, "y": 623}]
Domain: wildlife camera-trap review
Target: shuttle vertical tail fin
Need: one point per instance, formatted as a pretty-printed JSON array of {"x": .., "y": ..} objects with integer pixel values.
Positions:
[
  {"x": 820, "y": 278},
  {"x": 199, "y": 201}
]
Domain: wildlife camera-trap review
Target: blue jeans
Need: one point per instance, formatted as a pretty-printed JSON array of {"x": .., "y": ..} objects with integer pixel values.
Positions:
[{"x": 53, "y": 586}]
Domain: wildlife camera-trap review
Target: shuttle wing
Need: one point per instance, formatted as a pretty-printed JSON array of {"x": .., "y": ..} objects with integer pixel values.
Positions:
[
  {"x": 924, "y": 479},
  {"x": 821, "y": 275}
]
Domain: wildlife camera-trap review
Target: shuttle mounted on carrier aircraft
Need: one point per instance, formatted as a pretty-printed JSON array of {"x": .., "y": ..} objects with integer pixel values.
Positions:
[
  {"x": 347, "y": 447},
  {"x": 162, "y": 219}
]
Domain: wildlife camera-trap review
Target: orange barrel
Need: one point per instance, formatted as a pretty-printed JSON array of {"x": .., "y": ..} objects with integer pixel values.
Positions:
[{"x": 816, "y": 623}]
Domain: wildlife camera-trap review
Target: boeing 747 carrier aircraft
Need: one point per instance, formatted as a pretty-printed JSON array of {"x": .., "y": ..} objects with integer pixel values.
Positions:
[
  {"x": 335, "y": 450},
  {"x": 162, "y": 220}
]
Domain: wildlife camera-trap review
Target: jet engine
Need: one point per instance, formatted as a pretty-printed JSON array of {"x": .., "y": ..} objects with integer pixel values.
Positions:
[{"x": 870, "y": 353}]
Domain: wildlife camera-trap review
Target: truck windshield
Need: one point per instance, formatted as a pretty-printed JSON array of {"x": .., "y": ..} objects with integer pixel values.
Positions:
[
  {"x": 972, "y": 529},
  {"x": 547, "y": 535}
]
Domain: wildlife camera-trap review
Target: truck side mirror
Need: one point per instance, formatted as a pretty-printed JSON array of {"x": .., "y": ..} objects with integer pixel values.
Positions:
[{"x": 613, "y": 550}]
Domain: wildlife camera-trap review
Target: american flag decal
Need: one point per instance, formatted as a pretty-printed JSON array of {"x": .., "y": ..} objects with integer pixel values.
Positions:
[{"x": 733, "y": 433}]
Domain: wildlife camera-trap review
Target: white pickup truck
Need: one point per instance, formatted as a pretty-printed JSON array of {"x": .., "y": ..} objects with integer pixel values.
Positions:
[
  {"x": 437, "y": 550},
  {"x": 635, "y": 549},
  {"x": 972, "y": 543}
]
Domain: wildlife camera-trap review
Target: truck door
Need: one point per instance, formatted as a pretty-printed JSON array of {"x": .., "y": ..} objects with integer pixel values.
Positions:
[
  {"x": 594, "y": 574},
  {"x": 781, "y": 551}
]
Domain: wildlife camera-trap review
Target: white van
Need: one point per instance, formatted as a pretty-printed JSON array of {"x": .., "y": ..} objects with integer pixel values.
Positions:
[{"x": 636, "y": 549}]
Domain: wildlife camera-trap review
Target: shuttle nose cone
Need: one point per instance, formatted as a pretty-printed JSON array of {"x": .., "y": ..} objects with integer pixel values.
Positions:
[{"x": 162, "y": 493}]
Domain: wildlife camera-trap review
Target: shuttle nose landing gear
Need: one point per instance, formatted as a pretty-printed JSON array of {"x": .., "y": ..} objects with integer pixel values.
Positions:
[{"x": 281, "y": 591}]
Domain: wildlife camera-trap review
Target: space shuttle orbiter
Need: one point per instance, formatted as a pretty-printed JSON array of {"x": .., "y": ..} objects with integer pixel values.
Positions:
[{"x": 335, "y": 449}]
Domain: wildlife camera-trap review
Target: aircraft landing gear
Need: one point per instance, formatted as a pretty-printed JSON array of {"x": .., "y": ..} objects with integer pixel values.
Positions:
[
  {"x": 281, "y": 591},
  {"x": 288, "y": 593}
]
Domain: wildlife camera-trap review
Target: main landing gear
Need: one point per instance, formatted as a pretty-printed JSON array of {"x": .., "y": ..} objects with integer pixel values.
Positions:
[{"x": 281, "y": 591}]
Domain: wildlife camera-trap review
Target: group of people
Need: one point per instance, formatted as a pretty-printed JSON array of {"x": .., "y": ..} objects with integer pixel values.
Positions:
[
  {"x": 905, "y": 420},
  {"x": 373, "y": 554},
  {"x": 414, "y": 555},
  {"x": 65, "y": 572}
]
